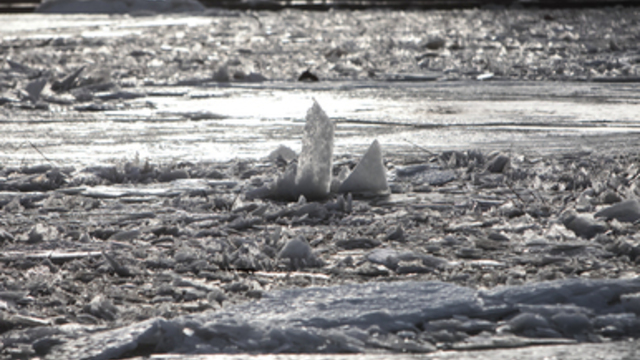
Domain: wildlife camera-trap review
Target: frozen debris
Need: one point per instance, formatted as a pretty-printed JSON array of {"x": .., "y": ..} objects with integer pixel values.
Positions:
[
  {"x": 299, "y": 253},
  {"x": 102, "y": 308},
  {"x": 125, "y": 235},
  {"x": 411, "y": 170},
  {"x": 396, "y": 234},
  {"x": 313, "y": 176},
  {"x": 391, "y": 259},
  {"x": 34, "y": 89},
  {"x": 117, "y": 267},
  {"x": 498, "y": 163},
  {"x": 282, "y": 154},
  {"x": 5, "y": 236},
  {"x": 631, "y": 302},
  {"x": 308, "y": 76},
  {"x": 425, "y": 174},
  {"x": 36, "y": 169},
  {"x": 581, "y": 225},
  {"x": 67, "y": 83},
  {"x": 369, "y": 177},
  {"x": 41, "y": 232},
  {"x": 169, "y": 174},
  {"x": 350, "y": 243},
  {"x": 119, "y": 95},
  {"x": 51, "y": 180},
  {"x": 485, "y": 76},
  {"x": 118, "y": 6},
  {"x": 434, "y": 43},
  {"x": 222, "y": 75},
  {"x": 21, "y": 68},
  {"x": 95, "y": 107},
  {"x": 252, "y": 77},
  {"x": 626, "y": 211}
]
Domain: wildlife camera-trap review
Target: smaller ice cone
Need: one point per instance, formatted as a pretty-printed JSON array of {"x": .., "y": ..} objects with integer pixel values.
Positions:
[{"x": 369, "y": 177}]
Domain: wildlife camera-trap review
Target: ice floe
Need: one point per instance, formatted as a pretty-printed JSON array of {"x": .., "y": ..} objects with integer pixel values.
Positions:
[{"x": 400, "y": 316}]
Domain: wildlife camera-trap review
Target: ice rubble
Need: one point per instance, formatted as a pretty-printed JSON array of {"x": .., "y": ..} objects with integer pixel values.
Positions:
[
  {"x": 311, "y": 177},
  {"x": 400, "y": 316},
  {"x": 118, "y": 6}
]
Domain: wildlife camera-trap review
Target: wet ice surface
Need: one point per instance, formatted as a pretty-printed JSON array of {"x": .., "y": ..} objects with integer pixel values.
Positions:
[
  {"x": 398, "y": 317},
  {"x": 214, "y": 123}
]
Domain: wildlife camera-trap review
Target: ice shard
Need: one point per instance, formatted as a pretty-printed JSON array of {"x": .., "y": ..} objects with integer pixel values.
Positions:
[
  {"x": 369, "y": 178},
  {"x": 313, "y": 176}
]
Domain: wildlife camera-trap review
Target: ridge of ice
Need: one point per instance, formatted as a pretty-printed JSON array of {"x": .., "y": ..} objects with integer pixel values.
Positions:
[
  {"x": 118, "y": 6},
  {"x": 358, "y": 317}
]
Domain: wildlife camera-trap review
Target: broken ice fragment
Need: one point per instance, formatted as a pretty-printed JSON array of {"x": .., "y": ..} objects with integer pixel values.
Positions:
[
  {"x": 313, "y": 176},
  {"x": 370, "y": 176},
  {"x": 34, "y": 89},
  {"x": 67, "y": 83},
  {"x": 626, "y": 211},
  {"x": 282, "y": 153},
  {"x": 299, "y": 253}
]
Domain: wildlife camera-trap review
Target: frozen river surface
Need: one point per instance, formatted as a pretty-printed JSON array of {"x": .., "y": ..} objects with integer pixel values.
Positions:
[
  {"x": 222, "y": 122},
  {"x": 222, "y": 86}
]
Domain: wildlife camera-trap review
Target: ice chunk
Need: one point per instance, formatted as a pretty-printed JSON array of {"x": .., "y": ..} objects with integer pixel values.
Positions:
[
  {"x": 299, "y": 253},
  {"x": 631, "y": 302},
  {"x": 527, "y": 323},
  {"x": 282, "y": 153},
  {"x": 34, "y": 89},
  {"x": 626, "y": 211},
  {"x": 582, "y": 225},
  {"x": 572, "y": 324},
  {"x": 313, "y": 176},
  {"x": 369, "y": 178},
  {"x": 391, "y": 258}
]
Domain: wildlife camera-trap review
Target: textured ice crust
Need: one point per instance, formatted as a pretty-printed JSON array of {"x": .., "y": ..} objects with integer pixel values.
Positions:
[{"x": 375, "y": 316}]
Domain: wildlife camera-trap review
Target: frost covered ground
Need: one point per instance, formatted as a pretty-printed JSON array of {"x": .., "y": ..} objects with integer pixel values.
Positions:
[{"x": 526, "y": 236}]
